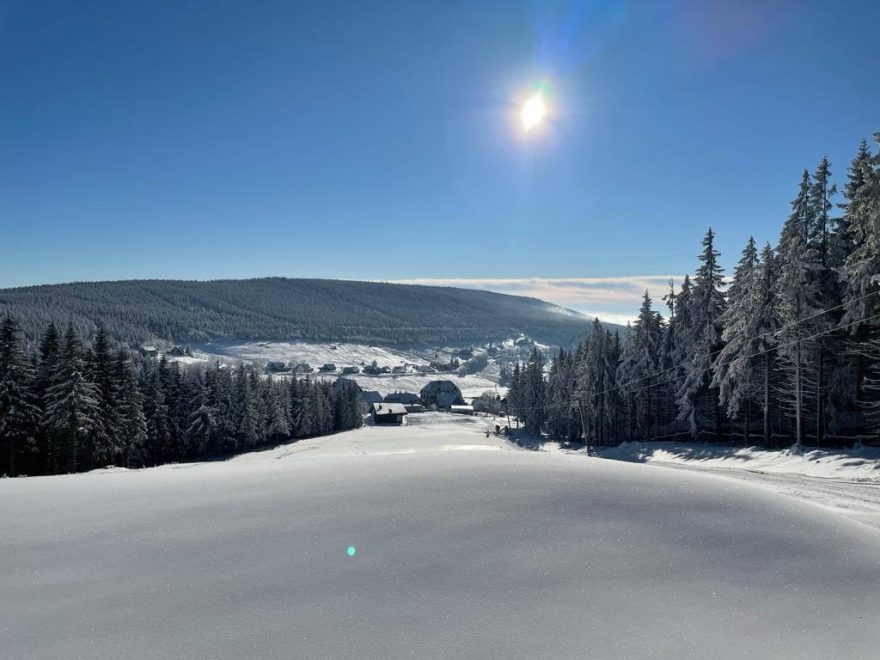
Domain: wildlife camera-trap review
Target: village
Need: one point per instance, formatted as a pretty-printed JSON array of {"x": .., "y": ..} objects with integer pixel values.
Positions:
[{"x": 391, "y": 383}]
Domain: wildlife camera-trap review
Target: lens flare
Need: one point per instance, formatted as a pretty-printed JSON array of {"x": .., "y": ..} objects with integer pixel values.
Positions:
[
  {"x": 352, "y": 551},
  {"x": 533, "y": 112}
]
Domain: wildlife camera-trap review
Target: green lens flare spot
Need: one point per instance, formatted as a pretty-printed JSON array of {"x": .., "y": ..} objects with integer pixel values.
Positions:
[{"x": 352, "y": 551}]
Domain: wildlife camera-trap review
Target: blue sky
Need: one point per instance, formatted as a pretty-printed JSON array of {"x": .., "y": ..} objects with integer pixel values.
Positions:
[{"x": 379, "y": 140}]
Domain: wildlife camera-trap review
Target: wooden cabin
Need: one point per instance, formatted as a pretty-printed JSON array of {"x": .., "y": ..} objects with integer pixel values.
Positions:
[{"x": 388, "y": 413}]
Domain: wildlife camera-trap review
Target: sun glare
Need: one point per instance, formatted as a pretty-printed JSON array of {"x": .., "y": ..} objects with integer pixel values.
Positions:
[{"x": 533, "y": 112}]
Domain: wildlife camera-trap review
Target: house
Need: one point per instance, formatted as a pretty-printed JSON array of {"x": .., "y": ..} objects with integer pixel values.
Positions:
[
  {"x": 179, "y": 351},
  {"x": 371, "y": 396},
  {"x": 406, "y": 398},
  {"x": 388, "y": 413},
  {"x": 399, "y": 369},
  {"x": 350, "y": 370},
  {"x": 441, "y": 394},
  {"x": 462, "y": 410},
  {"x": 328, "y": 367},
  {"x": 275, "y": 367},
  {"x": 150, "y": 351},
  {"x": 301, "y": 368}
]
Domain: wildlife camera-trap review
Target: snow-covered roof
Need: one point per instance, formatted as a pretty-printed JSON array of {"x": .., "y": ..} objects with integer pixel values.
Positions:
[
  {"x": 401, "y": 397},
  {"x": 389, "y": 409}
]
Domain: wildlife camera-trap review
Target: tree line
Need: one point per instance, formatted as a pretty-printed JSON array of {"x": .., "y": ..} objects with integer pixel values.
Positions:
[
  {"x": 787, "y": 351},
  {"x": 70, "y": 407}
]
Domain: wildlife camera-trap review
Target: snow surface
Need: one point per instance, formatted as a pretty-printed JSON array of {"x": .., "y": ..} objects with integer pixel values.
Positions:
[
  {"x": 846, "y": 481},
  {"x": 461, "y": 552},
  {"x": 862, "y": 464}
]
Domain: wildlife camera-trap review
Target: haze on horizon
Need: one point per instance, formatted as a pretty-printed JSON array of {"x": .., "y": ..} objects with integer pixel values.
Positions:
[{"x": 377, "y": 142}]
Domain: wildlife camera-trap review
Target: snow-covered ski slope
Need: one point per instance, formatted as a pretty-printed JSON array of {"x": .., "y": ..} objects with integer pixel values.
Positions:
[{"x": 463, "y": 547}]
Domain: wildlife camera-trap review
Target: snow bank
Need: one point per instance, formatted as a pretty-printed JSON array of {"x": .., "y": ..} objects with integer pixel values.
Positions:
[{"x": 849, "y": 464}]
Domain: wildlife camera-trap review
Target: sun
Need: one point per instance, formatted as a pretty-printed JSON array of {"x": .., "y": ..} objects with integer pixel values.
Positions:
[{"x": 533, "y": 112}]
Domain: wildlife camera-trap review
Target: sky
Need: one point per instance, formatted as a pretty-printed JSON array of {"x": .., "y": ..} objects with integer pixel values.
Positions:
[{"x": 381, "y": 140}]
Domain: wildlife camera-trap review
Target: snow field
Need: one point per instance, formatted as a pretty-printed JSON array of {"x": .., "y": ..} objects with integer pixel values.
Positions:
[{"x": 507, "y": 553}]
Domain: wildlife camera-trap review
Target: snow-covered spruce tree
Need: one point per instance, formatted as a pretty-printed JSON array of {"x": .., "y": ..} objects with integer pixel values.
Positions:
[
  {"x": 681, "y": 354},
  {"x": 257, "y": 387},
  {"x": 697, "y": 399},
  {"x": 862, "y": 274},
  {"x": 516, "y": 393},
  {"x": 798, "y": 304},
  {"x": 592, "y": 384},
  {"x": 820, "y": 203},
  {"x": 534, "y": 403},
  {"x": 178, "y": 400},
  {"x": 559, "y": 396},
  {"x": 47, "y": 365},
  {"x": 156, "y": 411},
  {"x": 202, "y": 420},
  {"x": 19, "y": 412},
  {"x": 669, "y": 359},
  {"x": 104, "y": 441},
  {"x": 613, "y": 411},
  {"x": 71, "y": 406},
  {"x": 296, "y": 414},
  {"x": 624, "y": 380},
  {"x": 737, "y": 367},
  {"x": 277, "y": 426},
  {"x": 247, "y": 434},
  {"x": 131, "y": 422},
  {"x": 642, "y": 380},
  {"x": 222, "y": 397}
]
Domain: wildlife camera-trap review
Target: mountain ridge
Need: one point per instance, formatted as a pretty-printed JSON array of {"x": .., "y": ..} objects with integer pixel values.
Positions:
[{"x": 279, "y": 308}]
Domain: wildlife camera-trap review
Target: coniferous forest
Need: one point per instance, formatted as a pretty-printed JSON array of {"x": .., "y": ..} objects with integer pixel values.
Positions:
[
  {"x": 72, "y": 407},
  {"x": 786, "y": 352},
  {"x": 277, "y": 308}
]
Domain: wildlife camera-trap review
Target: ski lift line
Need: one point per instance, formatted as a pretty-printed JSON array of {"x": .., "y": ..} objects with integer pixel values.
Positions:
[
  {"x": 765, "y": 334},
  {"x": 745, "y": 357}
]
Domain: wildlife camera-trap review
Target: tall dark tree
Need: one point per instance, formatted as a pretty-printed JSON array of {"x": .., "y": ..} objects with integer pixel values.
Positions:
[
  {"x": 698, "y": 401},
  {"x": 798, "y": 307},
  {"x": 71, "y": 407},
  {"x": 19, "y": 412}
]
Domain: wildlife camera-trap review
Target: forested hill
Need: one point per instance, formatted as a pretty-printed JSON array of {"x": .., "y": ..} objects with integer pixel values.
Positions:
[{"x": 286, "y": 309}]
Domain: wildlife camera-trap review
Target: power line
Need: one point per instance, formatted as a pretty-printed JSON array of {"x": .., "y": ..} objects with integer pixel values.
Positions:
[
  {"x": 764, "y": 334},
  {"x": 705, "y": 369}
]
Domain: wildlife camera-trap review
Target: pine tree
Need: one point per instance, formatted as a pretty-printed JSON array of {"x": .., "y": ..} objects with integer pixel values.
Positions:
[
  {"x": 202, "y": 421},
  {"x": 737, "y": 367},
  {"x": 47, "y": 365},
  {"x": 71, "y": 406},
  {"x": 104, "y": 443},
  {"x": 641, "y": 366},
  {"x": 277, "y": 427},
  {"x": 697, "y": 399},
  {"x": 534, "y": 408},
  {"x": 861, "y": 319},
  {"x": 798, "y": 306},
  {"x": 559, "y": 390},
  {"x": 19, "y": 413},
  {"x": 156, "y": 411},
  {"x": 248, "y": 433},
  {"x": 132, "y": 423},
  {"x": 613, "y": 401}
]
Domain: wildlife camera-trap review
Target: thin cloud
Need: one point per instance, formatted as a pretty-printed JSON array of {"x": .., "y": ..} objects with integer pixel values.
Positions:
[{"x": 612, "y": 299}]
